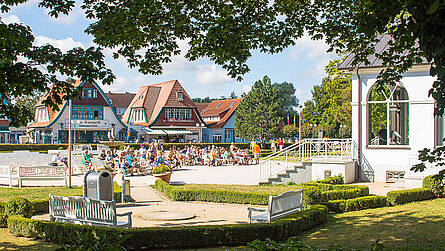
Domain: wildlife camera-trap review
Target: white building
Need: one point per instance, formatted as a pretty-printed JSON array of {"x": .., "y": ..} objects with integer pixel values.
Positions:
[
  {"x": 93, "y": 119},
  {"x": 392, "y": 123}
]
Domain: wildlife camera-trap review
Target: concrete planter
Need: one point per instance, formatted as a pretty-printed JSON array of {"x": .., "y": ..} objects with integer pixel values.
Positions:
[{"x": 163, "y": 176}]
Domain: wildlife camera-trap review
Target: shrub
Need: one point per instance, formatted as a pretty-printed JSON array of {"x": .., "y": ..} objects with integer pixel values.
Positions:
[
  {"x": 18, "y": 206},
  {"x": 311, "y": 195},
  {"x": 360, "y": 203},
  {"x": 334, "y": 180},
  {"x": 435, "y": 183},
  {"x": 174, "y": 237},
  {"x": 160, "y": 169},
  {"x": 40, "y": 205},
  {"x": 341, "y": 194},
  {"x": 410, "y": 195}
]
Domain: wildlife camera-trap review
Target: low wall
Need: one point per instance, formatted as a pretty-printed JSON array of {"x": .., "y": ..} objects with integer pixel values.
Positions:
[{"x": 344, "y": 168}]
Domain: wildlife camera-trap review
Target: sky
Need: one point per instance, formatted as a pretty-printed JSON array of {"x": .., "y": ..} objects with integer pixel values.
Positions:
[{"x": 302, "y": 64}]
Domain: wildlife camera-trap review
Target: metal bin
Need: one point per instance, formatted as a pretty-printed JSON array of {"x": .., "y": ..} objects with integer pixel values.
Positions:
[{"x": 98, "y": 185}]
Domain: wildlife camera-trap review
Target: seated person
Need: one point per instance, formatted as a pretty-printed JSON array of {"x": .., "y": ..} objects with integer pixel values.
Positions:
[
  {"x": 109, "y": 159},
  {"x": 57, "y": 160},
  {"x": 102, "y": 155},
  {"x": 382, "y": 135},
  {"x": 86, "y": 160}
]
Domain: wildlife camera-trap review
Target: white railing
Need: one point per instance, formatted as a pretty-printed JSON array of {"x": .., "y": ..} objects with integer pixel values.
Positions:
[{"x": 306, "y": 150}]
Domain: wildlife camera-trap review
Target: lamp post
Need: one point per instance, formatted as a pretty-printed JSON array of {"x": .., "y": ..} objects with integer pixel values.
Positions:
[
  {"x": 69, "y": 143},
  {"x": 299, "y": 122}
]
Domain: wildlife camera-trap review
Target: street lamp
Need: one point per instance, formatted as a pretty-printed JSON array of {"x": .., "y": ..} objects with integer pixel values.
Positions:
[{"x": 300, "y": 110}]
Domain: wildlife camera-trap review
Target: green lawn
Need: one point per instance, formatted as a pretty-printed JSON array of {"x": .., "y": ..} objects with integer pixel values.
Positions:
[
  {"x": 419, "y": 225},
  {"x": 242, "y": 188},
  {"x": 10, "y": 242},
  {"x": 7, "y": 193}
]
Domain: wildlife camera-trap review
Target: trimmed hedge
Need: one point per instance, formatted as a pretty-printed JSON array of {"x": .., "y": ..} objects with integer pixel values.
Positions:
[
  {"x": 355, "y": 204},
  {"x": 18, "y": 206},
  {"x": 334, "y": 180},
  {"x": 435, "y": 183},
  {"x": 342, "y": 194},
  {"x": 311, "y": 195},
  {"x": 174, "y": 237},
  {"x": 410, "y": 195}
]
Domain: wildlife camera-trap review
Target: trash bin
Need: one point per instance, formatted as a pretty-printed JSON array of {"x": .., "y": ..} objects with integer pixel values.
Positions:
[{"x": 98, "y": 185}]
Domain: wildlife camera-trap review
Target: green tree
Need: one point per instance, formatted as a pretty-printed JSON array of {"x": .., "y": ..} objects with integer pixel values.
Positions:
[
  {"x": 233, "y": 95},
  {"x": 330, "y": 106},
  {"x": 26, "y": 69},
  {"x": 257, "y": 116},
  {"x": 27, "y": 102},
  {"x": 289, "y": 131},
  {"x": 286, "y": 93}
]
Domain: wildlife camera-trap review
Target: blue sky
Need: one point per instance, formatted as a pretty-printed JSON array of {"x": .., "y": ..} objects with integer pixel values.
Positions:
[{"x": 302, "y": 64}]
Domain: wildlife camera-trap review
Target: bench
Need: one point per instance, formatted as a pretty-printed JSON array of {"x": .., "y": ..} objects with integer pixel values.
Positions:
[
  {"x": 8, "y": 172},
  {"x": 41, "y": 173},
  {"x": 86, "y": 211},
  {"x": 280, "y": 206}
]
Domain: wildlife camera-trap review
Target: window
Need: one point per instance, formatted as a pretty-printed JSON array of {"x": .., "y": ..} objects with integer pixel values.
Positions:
[
  {"x": 174, "y": 114},
  {"x": 211, "y": 118},
  {"x": 89, "y": 93},
  {"x": 228, "y": 133},
  {"x": 180, "y": 96},
  {"x": 388, "y": 118},
  {"x": 218, "y": 105},
  {"x": 42, "y": 114},
  {"x": 439, "y": 130},
  {"x": 87, "y": 112},
  {"x": 138, "y": 115},
  {"x": 217, "y": 138}
]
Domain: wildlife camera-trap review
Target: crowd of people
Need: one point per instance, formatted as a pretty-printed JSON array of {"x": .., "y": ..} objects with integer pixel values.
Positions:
[{"x": 142, "y": 160}]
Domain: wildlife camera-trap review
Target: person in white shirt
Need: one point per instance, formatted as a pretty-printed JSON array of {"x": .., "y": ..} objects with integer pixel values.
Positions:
[{"x": 56, "y": 160}]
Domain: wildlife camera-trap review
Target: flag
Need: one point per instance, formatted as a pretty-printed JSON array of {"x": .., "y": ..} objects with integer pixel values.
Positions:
[
  {"x": 295, "y": 119},
  {"x": 288, "y": 119},
  {"x": 128, "y": 132}
]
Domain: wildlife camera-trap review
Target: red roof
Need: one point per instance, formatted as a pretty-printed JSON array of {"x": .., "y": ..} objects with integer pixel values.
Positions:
[
  {"x": 157, "y": 96},
  {"x": 201, "y": 106},
  {"x": 121, "y": 99},
  {"x": 222, "y": 108},
  {"x": 4, "y": 122}
]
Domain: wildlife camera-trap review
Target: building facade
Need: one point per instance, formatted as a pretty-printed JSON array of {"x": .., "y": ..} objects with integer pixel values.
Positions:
[
  {"x": 164, "y": 111},
  {"x": 93, "y": 118},
  {"x": 391, "y": 123},
  {"x": 120, "y": 101},
  {"x": 219, "y": 117}
]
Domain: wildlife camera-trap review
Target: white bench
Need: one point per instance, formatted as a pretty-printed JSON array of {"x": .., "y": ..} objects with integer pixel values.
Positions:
[
  {"x": 86, "y": 211},
  {"x": 9, "y": 172},
  {"x": 41, "y": 173},
  {"x": 280, "y": 206}
]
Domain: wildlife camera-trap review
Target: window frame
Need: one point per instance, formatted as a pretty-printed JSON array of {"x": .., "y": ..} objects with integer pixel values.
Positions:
[{"x": 388, "y": 103}]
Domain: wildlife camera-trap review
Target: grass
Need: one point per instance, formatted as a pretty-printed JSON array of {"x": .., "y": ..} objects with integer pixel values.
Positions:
[
  {"x": 417, "y": 225},
  {"x": 7, "y": 193},
  {"x": 10, "y": 242},
  {"x": 244, "y": 188}
]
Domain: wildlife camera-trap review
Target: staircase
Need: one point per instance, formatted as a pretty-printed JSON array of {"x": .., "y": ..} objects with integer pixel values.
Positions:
[{"x": 292, "y": 164}]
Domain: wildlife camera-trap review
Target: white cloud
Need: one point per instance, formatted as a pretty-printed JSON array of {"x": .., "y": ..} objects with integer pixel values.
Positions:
[
  {"x": 178, "y": 62},
  {"x": 299, "y": 93},
  {"x": 246, "y": 88},
  {"x": 63, "y": 44},
  {"x": 10, "y": 19},
  {"x": 312, "y": 49},
  {"x": 209, "y": 74}
]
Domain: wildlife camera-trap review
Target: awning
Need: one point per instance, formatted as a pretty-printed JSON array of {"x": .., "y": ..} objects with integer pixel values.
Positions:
[
  {"x": 4, "y": 131},
  {"x": 177, "y": 131},
  {"x": 153, "y": 131}
]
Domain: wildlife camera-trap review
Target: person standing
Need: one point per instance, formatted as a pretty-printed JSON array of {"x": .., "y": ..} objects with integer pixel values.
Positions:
[
  {"x": 281, "y": 144},
  {"x": 273, "y": 147},
  {"x": 256, "y": 153}
]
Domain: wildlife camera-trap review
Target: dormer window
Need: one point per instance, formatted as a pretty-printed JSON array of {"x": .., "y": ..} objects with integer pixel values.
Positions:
[
  {"x": 89, "y": 93},
  {"x": 42, "y": 114},
  {"x": 180, "y": 96},
  {"x": 141, "y": 96},
  {"x": 138, "y": 115}
]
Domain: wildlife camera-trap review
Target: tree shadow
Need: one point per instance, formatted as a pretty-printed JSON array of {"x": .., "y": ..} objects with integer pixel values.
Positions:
[{"x": 403, "y": 226}]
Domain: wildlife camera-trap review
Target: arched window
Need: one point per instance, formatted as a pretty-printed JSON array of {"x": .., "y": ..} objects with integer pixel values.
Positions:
[{"x": 388, "y": 107}]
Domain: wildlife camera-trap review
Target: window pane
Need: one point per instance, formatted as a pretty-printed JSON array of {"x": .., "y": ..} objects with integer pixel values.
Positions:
[
  {"x": 398, "y": 116},
  {"x": 377, "y": 124}
]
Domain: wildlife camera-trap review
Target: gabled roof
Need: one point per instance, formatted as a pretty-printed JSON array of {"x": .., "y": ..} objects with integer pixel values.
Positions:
[
  {"x": 374, "y": 62},
  {"x": 121, "y": 99},
  {"x": 157, "y": 96},
  {"x": 222, "y": 108},
  {"x": 54, "y": 115},
  {"x": 201, "y": 106}
]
